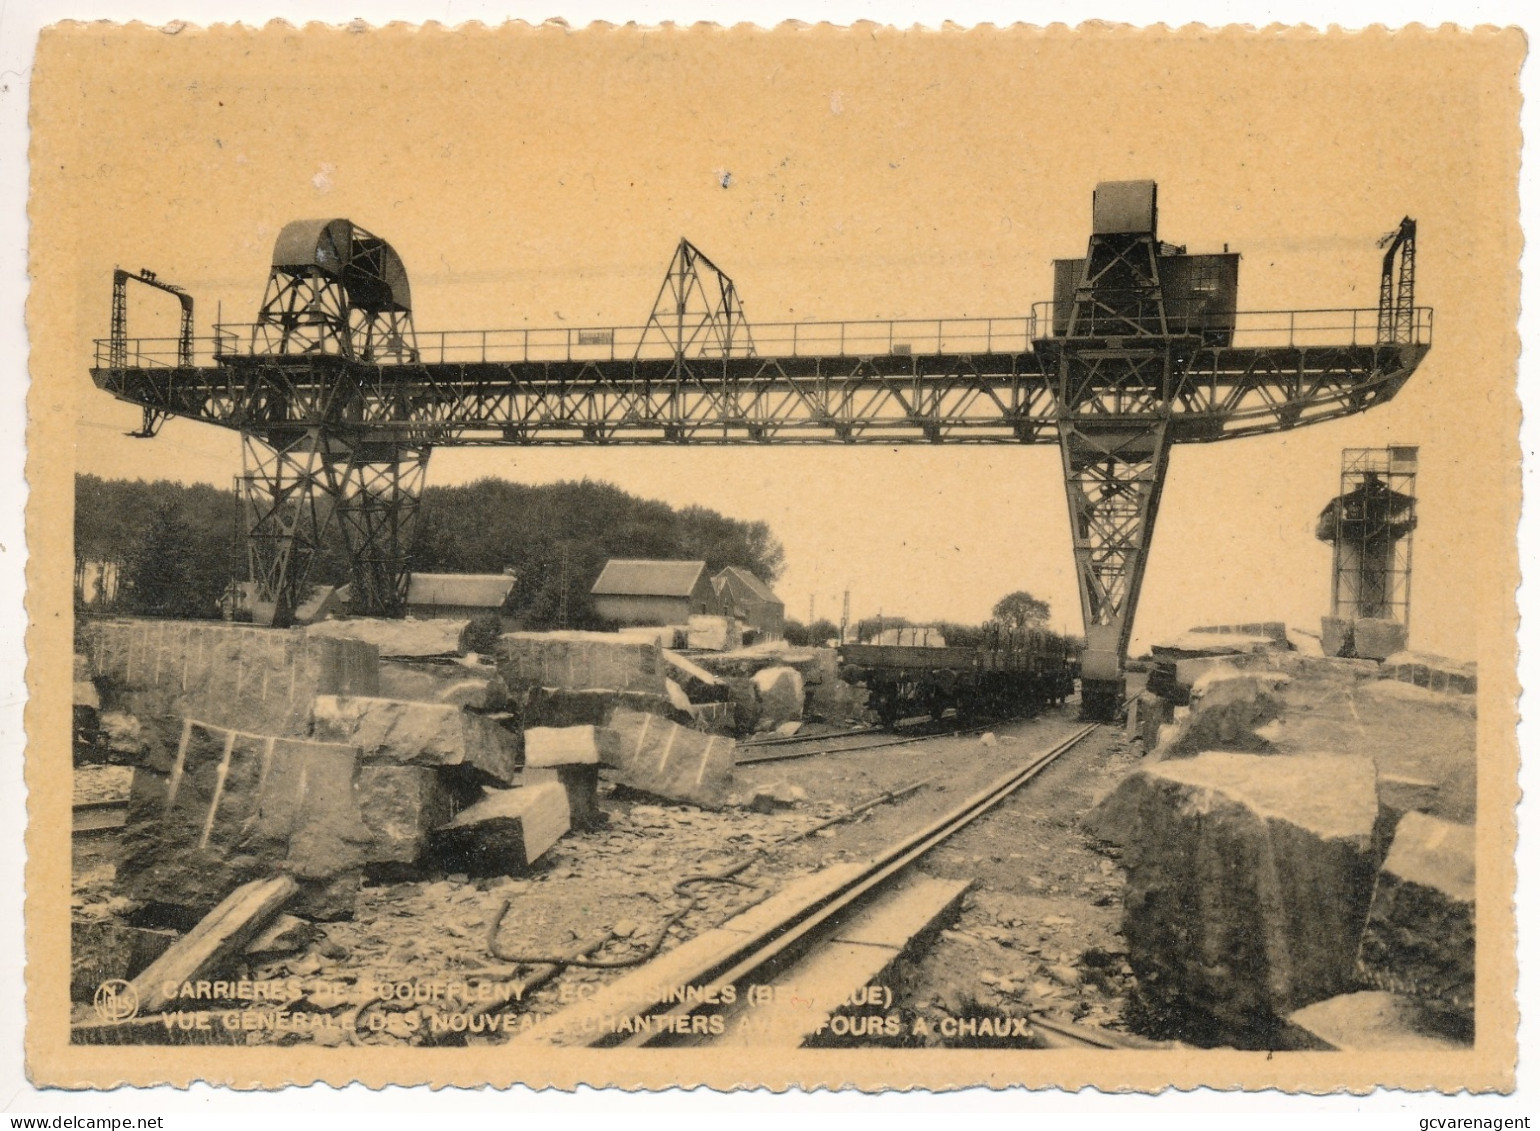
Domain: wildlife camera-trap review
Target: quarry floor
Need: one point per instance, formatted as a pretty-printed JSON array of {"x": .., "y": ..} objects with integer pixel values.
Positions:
[{"x": 1037, "y": 932}]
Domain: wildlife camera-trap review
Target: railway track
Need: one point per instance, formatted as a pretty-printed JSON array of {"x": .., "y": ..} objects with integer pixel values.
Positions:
[
  {"x": 695, "y": 993},
  {"x": 867, "y": 738}
]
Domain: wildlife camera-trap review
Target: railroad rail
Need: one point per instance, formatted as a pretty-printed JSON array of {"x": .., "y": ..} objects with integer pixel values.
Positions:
[
  {"x": 796, "y": 746},
  {"x": 755, "y": 945}
]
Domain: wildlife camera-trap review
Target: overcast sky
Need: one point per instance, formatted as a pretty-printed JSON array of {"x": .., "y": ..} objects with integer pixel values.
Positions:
[{"x": 544, "y": 180}]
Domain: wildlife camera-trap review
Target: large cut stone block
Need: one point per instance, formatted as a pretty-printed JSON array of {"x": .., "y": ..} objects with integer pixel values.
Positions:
[
  {"x": 1248, "y": 881},
  {"x": 506, "y": 831},
  {"x": 1190, "y": 644},
  {"x": 413, "y": 733},
  {"x": 656, "y": 756},
  {"x": 561, "y": 707},
  {"x": 1436, "y": 673},
  {"x": 408, "y": 639},
  {"x": 401, "y": 806},
  {"x": 1336, "y": 636},
  {"x": 714, "y": 633},
  {"x": 779, "y": 692},
  {"x": 561, "y": 746},
  {"x": 580, "y": 660},
  {"x": 1375, "y": 639},
  {"x": 581, "y": 785},
  {"x": 236, "y": 807},
  {"x": 1420, "y": 938},
  {"x": 1274, "y": 630},
  {"x": 1226, "y": 707},
  {"x": 254, "y": 679}
]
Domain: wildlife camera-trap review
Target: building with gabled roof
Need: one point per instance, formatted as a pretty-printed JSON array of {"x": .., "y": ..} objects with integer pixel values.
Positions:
[
  {"x": 750, "y": 600},
  {"x": 641, "y": 592},
  {"x": 458, "y": 595}
]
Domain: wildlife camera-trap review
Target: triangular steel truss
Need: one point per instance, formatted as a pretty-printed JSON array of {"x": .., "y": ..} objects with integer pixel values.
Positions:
[{"x": 697, "y": 312}]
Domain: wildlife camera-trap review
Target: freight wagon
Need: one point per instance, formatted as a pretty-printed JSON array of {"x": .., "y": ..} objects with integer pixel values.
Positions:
[{"x": 1012, "y": 673}]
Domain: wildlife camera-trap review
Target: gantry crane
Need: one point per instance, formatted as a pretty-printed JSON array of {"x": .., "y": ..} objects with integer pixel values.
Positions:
[{"x": 339, "y": 399}]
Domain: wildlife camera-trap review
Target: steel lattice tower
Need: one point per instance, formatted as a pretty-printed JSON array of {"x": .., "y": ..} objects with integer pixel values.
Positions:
[{"x": 1370, "y": 525}]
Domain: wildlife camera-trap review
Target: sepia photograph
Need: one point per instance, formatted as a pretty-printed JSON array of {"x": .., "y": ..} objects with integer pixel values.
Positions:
[{"x": 648, "y": 557}]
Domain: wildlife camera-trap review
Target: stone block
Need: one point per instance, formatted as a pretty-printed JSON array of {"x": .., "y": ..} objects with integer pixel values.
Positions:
[
  {"x": 657, "y": 756},
  {"x": 581, "y": 785},
  {"x": 695, "y": 681},
  {"x": 560, "y": 707},
  {"x": 505, "y": 832},
  {"x": 1375, "y": 1021},
  {"x": 1336, "y": 636},
  {"x": 835, "y": 701},
  {"x": 1436, "y": 673},
  {"x": 1226, "y": 709},
  {"x": 409, "y": 681},
  {"x": 1273, "y": 630},
  {"x": 105, "y": 949},
  {"x": 1306, "y": 644},
  {"x": 401, "y": 639},
  {"x": 779, "y": 692},
  {"x": 715, "y": 718},
  {"x": 562, "y": 746},
  {"x": 579, "y": 661},
  {"x": 1153, "y": 713},
  {"x": 400, "y": 806},
  {"x": 664, "y": 636},
  {"x": 476, "y": 694},
  {"x": 714, "y": 634},
  {"x": 1375, "y": 639},
  {"x": 1248, "y": 881},
  {"x": 233, "y": 808},
  {"x": 413, "y": 733},
  {"x": 1419, "y": 939},
  {"x": 260, "y": 680},
  {"x": 1191, "y": 644}
]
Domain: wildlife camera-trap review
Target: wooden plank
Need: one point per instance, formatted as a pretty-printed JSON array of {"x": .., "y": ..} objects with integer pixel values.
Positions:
[
  {"x": 859, "y": 954},
  {"x": 688, "y": 964},
  {"x": 222, "y": 932}
]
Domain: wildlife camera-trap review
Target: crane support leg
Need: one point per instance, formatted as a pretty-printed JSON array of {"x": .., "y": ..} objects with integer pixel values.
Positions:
[
  {"x": 294, "y": 488},
  {"x": 1113, "y": 475},
  {"x": 288, "y": 501},
  {"x": 378, "y": 500}
]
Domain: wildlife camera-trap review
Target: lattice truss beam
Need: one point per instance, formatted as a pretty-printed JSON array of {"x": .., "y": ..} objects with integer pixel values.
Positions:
[
  {"x": 1210, "y": 393},
  {"x": 1113, "y": 479}
]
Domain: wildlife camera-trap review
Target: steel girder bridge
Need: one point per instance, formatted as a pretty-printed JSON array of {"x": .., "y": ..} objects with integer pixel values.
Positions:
[{"x": 339, "y": 400}]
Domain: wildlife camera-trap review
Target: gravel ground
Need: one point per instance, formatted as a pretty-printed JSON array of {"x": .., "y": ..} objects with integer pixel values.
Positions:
[{"x": 1041, "y": 900}]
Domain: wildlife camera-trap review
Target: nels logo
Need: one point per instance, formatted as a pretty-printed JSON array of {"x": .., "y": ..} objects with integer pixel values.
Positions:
[{"x": 116, "y": 1000}]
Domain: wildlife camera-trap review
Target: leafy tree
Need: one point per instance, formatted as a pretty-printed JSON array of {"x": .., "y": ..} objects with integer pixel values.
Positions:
[
  {"x": 1020, "y": 610},
  {"x": 817, "y": 634}
]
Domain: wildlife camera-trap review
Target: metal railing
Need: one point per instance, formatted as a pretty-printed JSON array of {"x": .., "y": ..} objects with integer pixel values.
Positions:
[
  {"x": 1246, "y": 329},
  {"x": 899, "y": 337}
]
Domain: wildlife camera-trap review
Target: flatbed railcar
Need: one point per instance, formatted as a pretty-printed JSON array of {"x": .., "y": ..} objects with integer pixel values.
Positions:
[{"x": 1011, "y": 674}]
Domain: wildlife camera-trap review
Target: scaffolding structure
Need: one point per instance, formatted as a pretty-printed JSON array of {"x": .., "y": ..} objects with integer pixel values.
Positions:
[{"x": 1370, "y": 525}]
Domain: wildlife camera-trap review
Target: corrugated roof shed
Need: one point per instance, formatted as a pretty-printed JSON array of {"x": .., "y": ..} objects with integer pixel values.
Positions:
[
  {"x": 631, "y": 578},
  {"x": 472, "y": 590},
  {"x": 732, "y": 576}
]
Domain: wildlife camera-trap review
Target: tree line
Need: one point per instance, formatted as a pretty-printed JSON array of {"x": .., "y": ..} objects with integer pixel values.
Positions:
[{"x": 174, "y": 548}]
